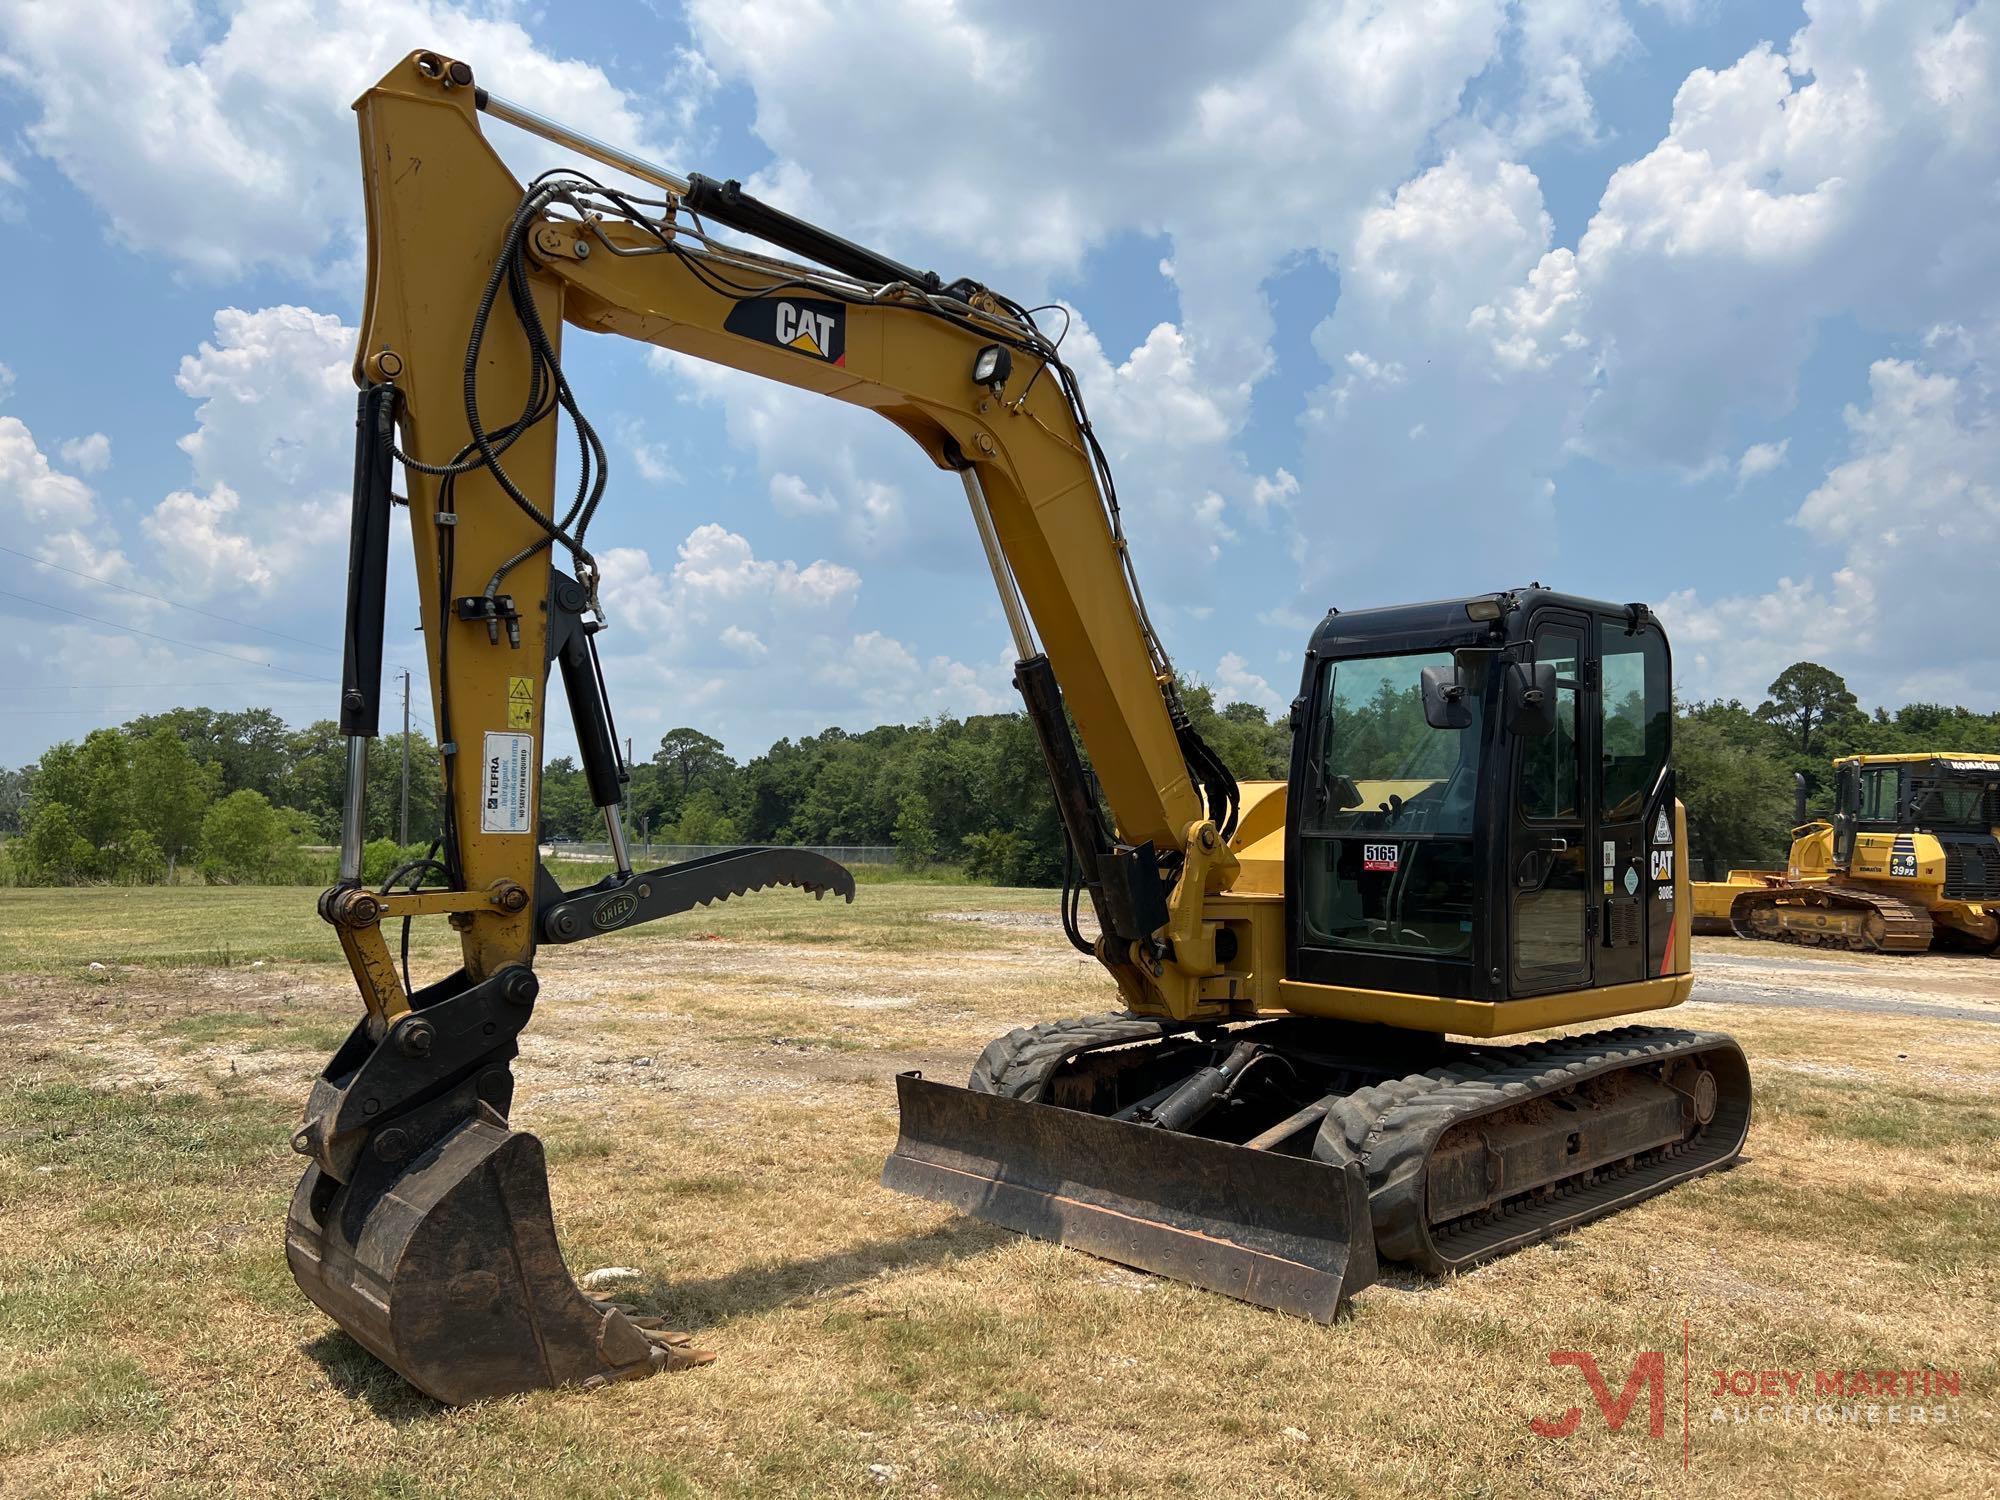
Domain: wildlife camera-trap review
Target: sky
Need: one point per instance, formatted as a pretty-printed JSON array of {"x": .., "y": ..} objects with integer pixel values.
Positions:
[{"x": 1695, "y": 302}]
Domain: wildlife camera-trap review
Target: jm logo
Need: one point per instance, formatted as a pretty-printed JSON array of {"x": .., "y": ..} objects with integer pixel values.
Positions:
[{"x": 1649, "y": 1374}]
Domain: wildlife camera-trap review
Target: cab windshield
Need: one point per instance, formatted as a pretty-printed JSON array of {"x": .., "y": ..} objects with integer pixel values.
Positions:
[
  {"x": 1381, "y": 766},
  {"x": 1956, "y": 799},
  {"x": 1386, "y": 823}
]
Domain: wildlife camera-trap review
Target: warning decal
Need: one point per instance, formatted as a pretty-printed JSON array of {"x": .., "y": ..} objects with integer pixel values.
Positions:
[
  {"x": 508, "y": 773},
  {"x": 520, "y": 703},
  {"x": 1663, "y": 831},
  {"x": 1379, "y": 856}
]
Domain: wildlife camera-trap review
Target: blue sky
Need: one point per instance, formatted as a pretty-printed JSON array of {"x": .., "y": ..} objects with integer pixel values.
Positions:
[{"x": 1673, "y": 300}]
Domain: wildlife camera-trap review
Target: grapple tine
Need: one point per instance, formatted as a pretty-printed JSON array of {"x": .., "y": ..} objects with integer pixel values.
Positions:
[
  {"x": 450, "y": 1274},
  {"x": 1283, "y": 1232}
]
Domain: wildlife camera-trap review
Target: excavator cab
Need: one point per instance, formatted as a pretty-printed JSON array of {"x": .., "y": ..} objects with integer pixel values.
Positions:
[{"x": 1483, "y": 800}]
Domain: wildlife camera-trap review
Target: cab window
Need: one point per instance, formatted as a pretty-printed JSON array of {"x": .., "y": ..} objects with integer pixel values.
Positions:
[
  {"x": 1548, "y": 762},
  {"x": 1386, "y": 824},
  {"x": 1878, "y": 794},
  {"x": 1636, "y": 708}
]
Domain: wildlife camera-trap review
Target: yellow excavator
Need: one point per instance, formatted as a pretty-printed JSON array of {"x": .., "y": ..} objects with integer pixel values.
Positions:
[
  {"x": 1909, "y": 858},
  {"x": 1479, "y": 836}
]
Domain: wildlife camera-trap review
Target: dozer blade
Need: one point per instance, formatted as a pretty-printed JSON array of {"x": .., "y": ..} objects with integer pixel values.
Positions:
[
  {"x": 1284, "y": 1232},
  {"x": 449, "y": 1273}
]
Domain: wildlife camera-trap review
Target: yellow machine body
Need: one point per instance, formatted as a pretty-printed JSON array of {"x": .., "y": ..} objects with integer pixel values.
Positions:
[
  {"x": 1909, "y": 860},
  {"x": 1510, "y": 857}
]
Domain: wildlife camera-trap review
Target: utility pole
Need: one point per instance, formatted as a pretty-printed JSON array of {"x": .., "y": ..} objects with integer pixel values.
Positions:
[{"x": 403, "y": 822}]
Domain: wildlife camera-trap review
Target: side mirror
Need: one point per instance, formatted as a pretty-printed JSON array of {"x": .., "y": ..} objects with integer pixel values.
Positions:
[
  {"x": 1531, "y": 698},
  {"x": 1343, "y": 794},
  {"x": 1445, "y": 705}
]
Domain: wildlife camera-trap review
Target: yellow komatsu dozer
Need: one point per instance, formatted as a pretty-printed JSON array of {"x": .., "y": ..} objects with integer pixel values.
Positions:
[
  {"x": 1909, "y": 860},
  {"x": 1304, "y": 1075}
]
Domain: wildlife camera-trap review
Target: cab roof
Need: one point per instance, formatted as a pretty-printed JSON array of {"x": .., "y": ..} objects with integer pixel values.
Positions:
[{"x": 1441, "y": 622}]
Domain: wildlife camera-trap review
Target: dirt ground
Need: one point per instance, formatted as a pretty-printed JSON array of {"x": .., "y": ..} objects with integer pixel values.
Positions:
[{"x": 717, "y": 1097}]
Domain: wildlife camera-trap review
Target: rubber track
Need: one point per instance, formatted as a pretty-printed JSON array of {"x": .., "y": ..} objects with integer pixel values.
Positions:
[
  {"x": 1020, "y": 1064},
  {"x": 1393, "y": 1127},
  {"x": 1908, "y": 928}
]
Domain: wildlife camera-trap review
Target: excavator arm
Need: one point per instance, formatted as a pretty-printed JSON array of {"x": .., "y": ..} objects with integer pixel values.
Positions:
[{"x": 422, "y": 1224}]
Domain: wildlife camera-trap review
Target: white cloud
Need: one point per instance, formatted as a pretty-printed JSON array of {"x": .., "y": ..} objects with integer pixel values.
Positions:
[
  {"x": 6, "y": 382},
  {"x": 160, "y": 112},
  {"x": 791, "y": 496},
  {"x": 1236, "y": 683},
  {"x": 654, "y": 461},
  {"x": 91, "y": 455},
  {"x": 765, "y": 647},
  {"x": 53, "y": 514},
  {"x": 1760, "y": 459},
  {"x": 1561, "y": 43},
  {"x": 1909, "y": 518},
  {"x": 1275, "y": 492},
  {"x": 1791, "y": 187},
  {"x": 1287, "y": 126},
  {"x": 1457, "y": 368},
  {"x": 271, "y": 452}
]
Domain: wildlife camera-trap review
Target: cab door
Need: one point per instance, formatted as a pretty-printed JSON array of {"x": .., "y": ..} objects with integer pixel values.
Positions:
[{"x": 1551, "y": 834}]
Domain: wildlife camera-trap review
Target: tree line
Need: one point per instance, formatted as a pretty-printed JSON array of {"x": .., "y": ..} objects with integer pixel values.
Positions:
[{"x": 196, "y": 793}]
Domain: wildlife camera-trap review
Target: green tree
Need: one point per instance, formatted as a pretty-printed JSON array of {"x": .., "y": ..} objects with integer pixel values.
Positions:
[
  {"x": 53, "y": 851},
  {"x": 1808, "y": 702},
  {"x": 15, "y": 789},
  {"x": 245, "y": 840},
  {"x": 916, "y": 841},
  {"x": 687, "y": 756},
  {"x": 703, "y": 821},
  {"x": 171, "y": 794},
  {"x": 1738, "y": 796},
  {"x": 566, "y": 806}
]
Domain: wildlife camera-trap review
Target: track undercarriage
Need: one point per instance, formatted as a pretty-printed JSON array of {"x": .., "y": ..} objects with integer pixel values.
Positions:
[
  {"x": 1283, "y": 1161},
  {"x": 1832, "y": 916}
]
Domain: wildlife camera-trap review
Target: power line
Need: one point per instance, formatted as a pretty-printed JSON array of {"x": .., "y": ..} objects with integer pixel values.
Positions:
[
  {"x": 164, "y": 687},
  {"x": 247, "y": 661},
  {"x": 42, "y": 562}
]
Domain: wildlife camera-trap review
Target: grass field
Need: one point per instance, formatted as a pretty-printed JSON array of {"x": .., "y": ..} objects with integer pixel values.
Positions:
[{"x": 717, "y": 1097}]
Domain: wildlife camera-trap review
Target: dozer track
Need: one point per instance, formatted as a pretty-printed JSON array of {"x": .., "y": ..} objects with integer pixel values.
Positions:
[
  {"x": 1478, "y": 1151},
  {"x": 1832, "y": 916}
]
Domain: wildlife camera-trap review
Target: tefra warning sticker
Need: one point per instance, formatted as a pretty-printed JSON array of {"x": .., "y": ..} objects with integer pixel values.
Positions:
[{"x": 509, "y": 777}]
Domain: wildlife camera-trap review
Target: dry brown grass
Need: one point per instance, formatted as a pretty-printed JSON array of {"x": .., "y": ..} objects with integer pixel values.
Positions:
[{"x": 717, "y": 1109}]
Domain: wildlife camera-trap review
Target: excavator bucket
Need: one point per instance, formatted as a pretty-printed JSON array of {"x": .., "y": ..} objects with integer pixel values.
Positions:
[
  {"x": 1285, "y": 1232},
  {"x": 449, "y": 1273}
]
